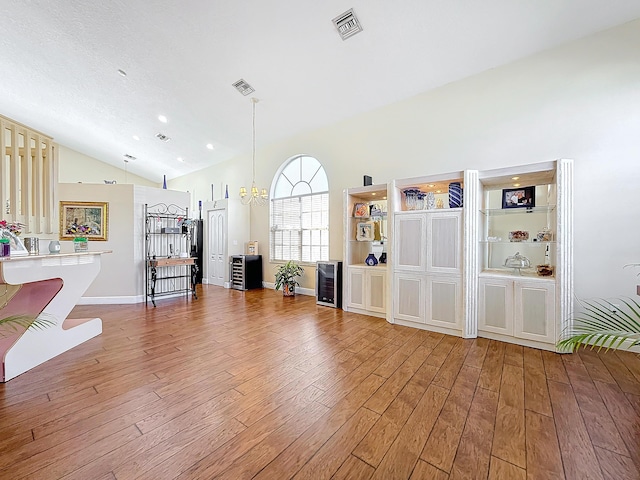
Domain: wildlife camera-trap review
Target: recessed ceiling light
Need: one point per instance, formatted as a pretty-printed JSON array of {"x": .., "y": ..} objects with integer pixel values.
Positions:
[
  {"x": 136, "y": 137},
  {"x": 515, "y": 178},
  {"x": 122, "y": 72},
  {"x": 516, "y": 184},
  {"x": 384, "y": 198},
  {"x": 180, "y": 159},
  {"x": 373, "y": 194},
  {"x": 438, "y": 191},
  {"x": 162, "y": 118},
  {"x": 209, "y": 146},
  {"x": 431, "y": 185}
]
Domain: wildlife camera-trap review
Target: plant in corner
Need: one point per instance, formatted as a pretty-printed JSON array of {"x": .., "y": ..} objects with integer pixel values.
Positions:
[
  {"x": 604, "y": 323},
  {"x": 286, "y": 276}
]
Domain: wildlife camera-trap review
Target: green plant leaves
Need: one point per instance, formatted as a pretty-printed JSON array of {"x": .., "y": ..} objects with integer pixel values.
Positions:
[{"x": 603, "y": 324}]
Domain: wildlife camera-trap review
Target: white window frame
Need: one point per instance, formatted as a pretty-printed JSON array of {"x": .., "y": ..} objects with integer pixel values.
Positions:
[{"x": 315, "y": 225}]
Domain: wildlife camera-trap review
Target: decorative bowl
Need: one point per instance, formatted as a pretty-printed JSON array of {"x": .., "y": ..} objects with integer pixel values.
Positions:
[{"x": 518, "y": 236}]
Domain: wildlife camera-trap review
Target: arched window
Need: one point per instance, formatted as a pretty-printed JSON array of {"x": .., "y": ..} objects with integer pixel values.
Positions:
[{"x": 300, "y": 211}]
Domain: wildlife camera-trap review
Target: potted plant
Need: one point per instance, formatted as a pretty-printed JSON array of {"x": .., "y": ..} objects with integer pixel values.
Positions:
[
  {"x": 604, "y": 323},
  {"x": 286, "y": 277}
]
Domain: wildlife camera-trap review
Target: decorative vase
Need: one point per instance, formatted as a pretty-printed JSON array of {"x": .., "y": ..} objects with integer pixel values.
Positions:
[
  {"x": 164, "y": 182},
  {"x": 383, "y": 257},
  {"x": 288, "y": 290},
  {"x": 455, "y": 195},
  {"x": 371, "y": 260},
  {"x": 430, "y": 201},
  {"x": 54, "y": 246}
]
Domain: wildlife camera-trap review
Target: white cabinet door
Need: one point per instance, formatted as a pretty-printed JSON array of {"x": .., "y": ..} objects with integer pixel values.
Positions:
[
  {"x": 409, "y": 242},
  {"x": 375, "y": 290},
  {"x": 444, "y": 242},
  {"x": 444, "y": 301},
  {"x": 535, "y": 317},
  {"x": 356, "y": 288},
  {"x": 408, "y": 297},
  {"x": 495, "y": 305}
]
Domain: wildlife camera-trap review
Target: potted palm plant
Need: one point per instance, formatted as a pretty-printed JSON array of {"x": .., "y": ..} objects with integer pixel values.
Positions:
[
  {"x": 286, "y": 276},
  {"x": 604, "y": 324}
]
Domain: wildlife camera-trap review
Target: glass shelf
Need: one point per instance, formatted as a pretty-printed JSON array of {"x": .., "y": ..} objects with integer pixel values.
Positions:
[{"x": 494, "y": 212}]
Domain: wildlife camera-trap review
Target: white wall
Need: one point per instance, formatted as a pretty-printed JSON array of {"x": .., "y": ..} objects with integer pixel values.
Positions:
[
  {"x": 77, "y": 167},
  {"x": 579, "y": 101}
]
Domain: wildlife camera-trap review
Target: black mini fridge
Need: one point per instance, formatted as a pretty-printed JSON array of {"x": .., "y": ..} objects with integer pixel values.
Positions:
[
  {"x": 329, "y": 283},
  {"x": 245, "y": 271}
]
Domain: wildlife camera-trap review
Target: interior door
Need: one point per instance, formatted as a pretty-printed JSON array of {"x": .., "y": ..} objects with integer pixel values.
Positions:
[{"x": 217, "y": 241}]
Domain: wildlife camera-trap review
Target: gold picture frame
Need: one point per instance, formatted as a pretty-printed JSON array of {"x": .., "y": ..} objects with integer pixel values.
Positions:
[{"x": 84, "y": 219}]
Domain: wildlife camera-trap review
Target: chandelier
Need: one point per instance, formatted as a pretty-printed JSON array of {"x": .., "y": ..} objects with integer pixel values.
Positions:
[{"x": 255, "y": 196}]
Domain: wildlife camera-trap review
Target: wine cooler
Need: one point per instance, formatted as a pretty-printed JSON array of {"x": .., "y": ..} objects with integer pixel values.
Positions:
[
  {"x": 245, "y": 271},
  {"x": 329, "y": 283}
]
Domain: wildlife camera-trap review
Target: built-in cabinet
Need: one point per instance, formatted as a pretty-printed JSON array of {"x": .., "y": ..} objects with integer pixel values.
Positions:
[
  {"x": 499, "y": 266},
  {"x": 368, "y": 286},
  {"x": 523, "y": 309},
  {"x": 427, "y": 266},
  {"x": 366, "y": 240}
]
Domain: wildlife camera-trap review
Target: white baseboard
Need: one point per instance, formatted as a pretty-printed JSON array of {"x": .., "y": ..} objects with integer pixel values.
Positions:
[
  {"x": 302, "y": 291},
  {"x": 120, "y": 300}
]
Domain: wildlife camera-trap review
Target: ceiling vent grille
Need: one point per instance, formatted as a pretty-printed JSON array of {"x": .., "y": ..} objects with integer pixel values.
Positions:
[
  {"x": 162, "y": 137},
  {"x": 129, "y": 157},
  {"x": 243, "y": 87},
  {"x": 347, "y": 24}
]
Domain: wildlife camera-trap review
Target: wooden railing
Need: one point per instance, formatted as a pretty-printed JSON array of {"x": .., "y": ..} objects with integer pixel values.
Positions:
[{"x": 28, "y": 177}]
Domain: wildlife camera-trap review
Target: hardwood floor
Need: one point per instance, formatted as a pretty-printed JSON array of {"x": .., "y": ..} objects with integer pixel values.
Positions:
[{"x": 250, "y": 384}]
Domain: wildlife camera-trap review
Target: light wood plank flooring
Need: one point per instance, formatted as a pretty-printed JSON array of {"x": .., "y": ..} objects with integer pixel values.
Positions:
[{"x": 240, "y": 385}]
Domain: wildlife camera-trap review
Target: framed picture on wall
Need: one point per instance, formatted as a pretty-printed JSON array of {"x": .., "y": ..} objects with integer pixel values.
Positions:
[
  {"x": 524, "y": 197},
  {"x": 84, "y": 219}
]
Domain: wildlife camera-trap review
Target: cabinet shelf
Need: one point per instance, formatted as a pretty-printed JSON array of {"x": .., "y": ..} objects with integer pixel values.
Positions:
[
  {"x": 515, "y": 244},
  {"x": 494, "y": 212}
]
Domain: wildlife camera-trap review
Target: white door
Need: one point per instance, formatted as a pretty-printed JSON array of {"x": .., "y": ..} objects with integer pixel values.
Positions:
[
  {"x": 409, "y": 242},
  {"x": 355, "y": 292},
  {"x": 217, "y": 241},
  {"x": 495, "y": 306},
  {"x": 535, "y": 317},
  {"x": 376, "y": 290}
]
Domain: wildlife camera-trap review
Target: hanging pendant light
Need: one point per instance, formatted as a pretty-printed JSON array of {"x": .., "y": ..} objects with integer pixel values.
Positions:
[{"x": 255, "y": 196}]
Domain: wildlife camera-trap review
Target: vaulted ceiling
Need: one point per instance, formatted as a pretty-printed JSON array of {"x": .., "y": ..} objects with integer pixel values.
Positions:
[{"x": 60, "y": 62}]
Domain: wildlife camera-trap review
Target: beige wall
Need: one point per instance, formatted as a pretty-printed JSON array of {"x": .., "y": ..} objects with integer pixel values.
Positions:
[
  {"x": 76, "y": 167},
  {"x": 115, "y": 277},
  {"x": 579, "y": 101}
]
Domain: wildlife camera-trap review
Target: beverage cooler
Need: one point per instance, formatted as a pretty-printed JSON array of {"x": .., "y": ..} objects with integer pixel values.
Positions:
[
  {"x": 329, "y": 283},
  {"x": 245, "y": 271}
]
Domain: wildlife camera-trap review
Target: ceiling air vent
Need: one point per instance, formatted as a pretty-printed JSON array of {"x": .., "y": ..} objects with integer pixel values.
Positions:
[
  {"x": 243, "y": 87},
  {"x": 162, "y": 137},
  {"x": 347, "y": 24},
  {"x": 129, "y": 157}
]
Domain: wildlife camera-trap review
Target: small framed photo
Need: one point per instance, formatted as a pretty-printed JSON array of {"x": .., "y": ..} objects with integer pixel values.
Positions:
[
  {"x": 86, "y": 219},
  {"x": 360, "y": 210},
  {"x": 365, "y": 232},
  {"x": 523, "y": 197}
]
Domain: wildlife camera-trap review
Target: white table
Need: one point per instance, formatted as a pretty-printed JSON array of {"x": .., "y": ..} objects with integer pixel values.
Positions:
[{"x": 52, "y": 285}]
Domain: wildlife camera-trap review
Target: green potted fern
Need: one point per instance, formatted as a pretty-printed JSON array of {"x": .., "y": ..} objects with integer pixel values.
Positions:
[{"x": 286, "y": 277}]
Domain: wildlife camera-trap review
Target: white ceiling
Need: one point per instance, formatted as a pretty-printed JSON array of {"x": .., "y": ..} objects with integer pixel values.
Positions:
[{"x": 59, "y": 62}]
